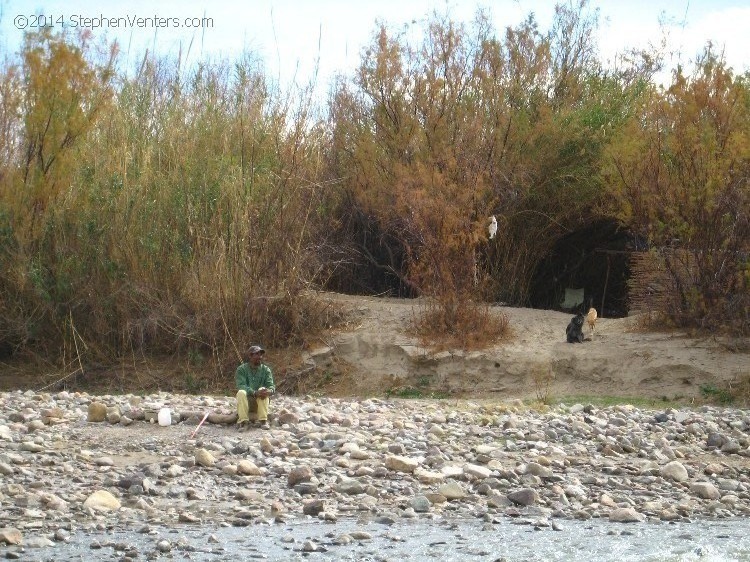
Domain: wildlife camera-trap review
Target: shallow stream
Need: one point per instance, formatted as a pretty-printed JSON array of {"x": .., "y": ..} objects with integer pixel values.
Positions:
[{"x": 503, "y": 540}]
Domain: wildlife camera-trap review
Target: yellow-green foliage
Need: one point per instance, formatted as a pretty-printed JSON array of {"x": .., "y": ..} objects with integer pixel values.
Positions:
[
  {"x": 167, "y": 211},
  {"x": 679, "y": 173},
  {"x": 183, "y": 209},
  {"x": 61, "y": 96},
  {"x": 433, "y": 139}
]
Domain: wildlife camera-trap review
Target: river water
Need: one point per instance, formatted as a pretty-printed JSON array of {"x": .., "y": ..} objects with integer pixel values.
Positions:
[{"x": 510, "y": 540}]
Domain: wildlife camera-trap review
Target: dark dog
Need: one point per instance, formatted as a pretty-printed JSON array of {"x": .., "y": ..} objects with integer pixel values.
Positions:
[{"x": 574, "y": 331}]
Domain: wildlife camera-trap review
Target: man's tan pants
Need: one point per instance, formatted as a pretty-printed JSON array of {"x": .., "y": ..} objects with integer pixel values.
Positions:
[{"x": 256, "y": 409}]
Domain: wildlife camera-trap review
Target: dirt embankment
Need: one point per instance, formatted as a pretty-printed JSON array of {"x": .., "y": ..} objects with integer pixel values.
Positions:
[{"x": 375, "y": 354}]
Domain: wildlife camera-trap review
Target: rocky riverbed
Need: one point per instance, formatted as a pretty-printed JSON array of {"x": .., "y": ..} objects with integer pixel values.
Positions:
[{"x": 361, "y": 462}]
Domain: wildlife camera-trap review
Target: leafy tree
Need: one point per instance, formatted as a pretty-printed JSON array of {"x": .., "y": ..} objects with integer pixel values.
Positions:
[
  {"x": 433, "y": 140},
  {"x": 63, "y": 94},
  {"x": 679, "y": 175},
  {"x": 52, "y": 97}
]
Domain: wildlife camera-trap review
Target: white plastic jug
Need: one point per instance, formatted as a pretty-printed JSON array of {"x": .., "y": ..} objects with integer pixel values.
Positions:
[{"x": 165, "y": 417}]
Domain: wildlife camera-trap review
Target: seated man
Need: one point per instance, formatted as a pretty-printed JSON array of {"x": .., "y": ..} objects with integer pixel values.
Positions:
[{"x": 254, "y": 379}]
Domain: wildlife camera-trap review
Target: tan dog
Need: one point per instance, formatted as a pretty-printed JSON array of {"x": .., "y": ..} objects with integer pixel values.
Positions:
[{"x": 591, "y": 320}]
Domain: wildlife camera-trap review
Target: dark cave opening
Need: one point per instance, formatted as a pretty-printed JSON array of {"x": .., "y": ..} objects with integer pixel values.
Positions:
[{"x": 587, "y": 267}]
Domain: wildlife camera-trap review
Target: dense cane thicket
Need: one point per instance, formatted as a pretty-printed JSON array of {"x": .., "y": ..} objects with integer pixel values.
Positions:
[
  {"x": 679, "y": 174},
  {"x": 159, "y": 211},
  {"x": 185, "y": 211}
]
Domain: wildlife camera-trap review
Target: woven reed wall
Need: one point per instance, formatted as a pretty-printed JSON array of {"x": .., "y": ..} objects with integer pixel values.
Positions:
[{"x": 656, "y": 277}]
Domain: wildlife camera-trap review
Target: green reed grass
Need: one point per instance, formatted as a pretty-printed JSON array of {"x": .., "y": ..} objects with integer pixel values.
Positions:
[{"x": 175, "y": 224}]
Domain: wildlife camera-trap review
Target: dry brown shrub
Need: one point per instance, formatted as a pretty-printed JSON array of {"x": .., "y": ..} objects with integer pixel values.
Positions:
[
  {"x": 460, "y": 324},
  {"x": 683, "y": 188},
  {"x": 651, "y": 321},
  {"x": 742, "y": 390},
  {"x": 542, "y": 377}
]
